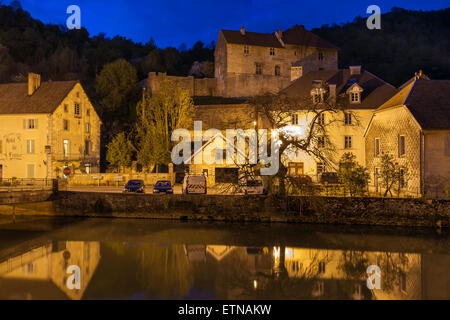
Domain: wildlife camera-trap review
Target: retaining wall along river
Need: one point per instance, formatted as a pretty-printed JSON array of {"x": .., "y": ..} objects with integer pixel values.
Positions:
[{"x": 326, "y": 210}]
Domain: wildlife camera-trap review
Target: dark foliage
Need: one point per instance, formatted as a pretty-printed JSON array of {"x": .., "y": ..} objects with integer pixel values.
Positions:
[{"x": 408, "y": 41}]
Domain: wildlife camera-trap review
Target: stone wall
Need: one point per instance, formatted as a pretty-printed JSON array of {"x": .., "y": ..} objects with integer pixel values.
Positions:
[
  {"x": 24, "y": 197},
  {"x": 358, "y": 211},
  {"x": 196, "y": 87}
]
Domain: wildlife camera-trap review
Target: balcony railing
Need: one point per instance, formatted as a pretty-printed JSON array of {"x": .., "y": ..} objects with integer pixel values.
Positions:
[{"x": 75, "y": 157}]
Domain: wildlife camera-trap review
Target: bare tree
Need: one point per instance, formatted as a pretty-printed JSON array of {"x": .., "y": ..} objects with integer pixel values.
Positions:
[{"x": 277, "y": 111}]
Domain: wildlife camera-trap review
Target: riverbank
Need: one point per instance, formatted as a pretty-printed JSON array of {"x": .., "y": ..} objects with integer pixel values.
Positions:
[{"x": 267, "y": 209}]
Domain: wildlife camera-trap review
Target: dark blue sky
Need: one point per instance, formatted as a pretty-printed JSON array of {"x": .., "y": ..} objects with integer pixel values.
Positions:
[{"x": 172, "y": 22}]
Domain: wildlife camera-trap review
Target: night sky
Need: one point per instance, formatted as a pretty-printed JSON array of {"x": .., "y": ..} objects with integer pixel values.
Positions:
[{"x": 172, "y": 22}]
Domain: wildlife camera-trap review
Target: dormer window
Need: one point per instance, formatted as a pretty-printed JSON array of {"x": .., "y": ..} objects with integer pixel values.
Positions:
[
  {"x": 246, "y": 50},
  {"x": 355, "y": 97},
  {"x": 354, "y": 92},
  {"x": 272, "y": 51}
]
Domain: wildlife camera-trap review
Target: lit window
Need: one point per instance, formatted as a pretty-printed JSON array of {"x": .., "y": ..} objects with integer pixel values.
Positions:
[
  {"x": 348, "y": 142},
  {"x": 246, "y": 50},
  {"x": 401, "y": 146},
  {"x": 66, "y": 148},
  {"x": 88, "y": 128},
  {"x": 355, "y": 97},
  {"x": 277, "y": 70},
  {"x": 377, "y": 147},
  {"x": 259, "y": 68},
  {"x": 272, "y": 51},
  {"x": 294, "y": 118},
  {"x": 348, "y": 119},
  {"x": 30, "y": 146}
]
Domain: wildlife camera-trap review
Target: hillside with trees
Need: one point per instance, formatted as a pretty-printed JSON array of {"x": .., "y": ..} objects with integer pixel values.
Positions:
[{"x": 407, "y": 41}]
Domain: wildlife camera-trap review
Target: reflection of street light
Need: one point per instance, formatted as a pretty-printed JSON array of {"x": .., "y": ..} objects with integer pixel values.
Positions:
[
  {"x": 254, "y": 123},
  {"x": 255, "y": 284}
]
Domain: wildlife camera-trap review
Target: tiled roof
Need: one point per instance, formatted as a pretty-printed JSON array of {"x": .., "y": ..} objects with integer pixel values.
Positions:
[
  {"x": 375, "y": 91},
  {"x": 427, "y": 100},
  {"x": 14, "y": 97},
  {"x": 251, "y": 38},
  {"x": 296, "y": 35}
]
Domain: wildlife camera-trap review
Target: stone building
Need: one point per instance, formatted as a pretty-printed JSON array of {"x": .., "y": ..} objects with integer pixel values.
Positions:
[
  {"x": 45, "y": 127},
  {"x": 248, "y": 63},
  {"x": 414, "y": 127},
  {"x": 362, "y": 93}
]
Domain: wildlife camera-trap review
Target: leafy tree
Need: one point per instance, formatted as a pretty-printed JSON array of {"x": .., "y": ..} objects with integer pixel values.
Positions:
[
  {"x": 117, "y": 88},
  {"x": 119, "y": 151},
  {"x": 159, "y": 115},
  {"x": 352, "y": 175},
  {"x": 391, "y": 174}
]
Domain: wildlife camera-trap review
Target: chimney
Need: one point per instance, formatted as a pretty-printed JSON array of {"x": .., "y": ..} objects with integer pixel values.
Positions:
[
  {"x": 332, "y": 88},
  {"x": 34, "y": 82},
  {"x": 355, "y": 70},
  {"x": 243, "y": 30}
]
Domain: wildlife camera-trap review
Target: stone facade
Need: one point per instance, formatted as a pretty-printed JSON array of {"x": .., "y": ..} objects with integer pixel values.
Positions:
[
  {"x": 387, "y": 126},
  {"x": 197, "y": 87},
  {"x": 236, "y": 66}
]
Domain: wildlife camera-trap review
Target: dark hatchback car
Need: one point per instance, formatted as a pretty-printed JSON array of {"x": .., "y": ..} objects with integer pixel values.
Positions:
[
  {"x": 329, "y": 178},
  {"x": 135, "y": 186},
  {"x": 163, "y": 187}
]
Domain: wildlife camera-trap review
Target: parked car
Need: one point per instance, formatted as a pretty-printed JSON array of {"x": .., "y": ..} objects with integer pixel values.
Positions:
[
  {"x": 329, "y": 178},
  {"x": 135, "y": 186},
  {"x": 254, "y": 186},
  {"x": 194, "y": 184},
  {"x": 163, "y": 187}
]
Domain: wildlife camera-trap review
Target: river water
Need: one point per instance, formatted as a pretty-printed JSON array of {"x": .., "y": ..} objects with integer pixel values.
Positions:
[{"x": 143, "y": 259}]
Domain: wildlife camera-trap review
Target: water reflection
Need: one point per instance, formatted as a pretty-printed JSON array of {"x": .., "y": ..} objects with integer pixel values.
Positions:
[
  {"x": 157, "y": 270},
  {"x": 40, "y": 273}
]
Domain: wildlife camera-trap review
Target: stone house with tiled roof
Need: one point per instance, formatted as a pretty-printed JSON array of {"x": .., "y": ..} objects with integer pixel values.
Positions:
[
  {"x": 414, "y": 127},
  {"x": 362, "y": 93},
  {"x": 45, "y": 127},
  {"x": 247, "y": 63}
]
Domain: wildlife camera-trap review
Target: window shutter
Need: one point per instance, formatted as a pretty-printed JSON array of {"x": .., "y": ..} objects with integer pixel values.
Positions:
[
  {"x": 36, "y": 124},
  {"x": 24, "y": 123}
]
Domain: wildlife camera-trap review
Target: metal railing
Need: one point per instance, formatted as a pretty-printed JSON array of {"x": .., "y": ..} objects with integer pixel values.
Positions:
[{"x": 15, "y": 184}]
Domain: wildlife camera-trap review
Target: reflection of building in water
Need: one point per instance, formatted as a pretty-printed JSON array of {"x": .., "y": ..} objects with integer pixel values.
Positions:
[
  {"x": 324, "y": 274},
  {"x": 219, "y": 252},
  {"x": 41, "y": 272},
  {"x": 195, "y": 253},
  {"x": 400, "y": 272}
]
